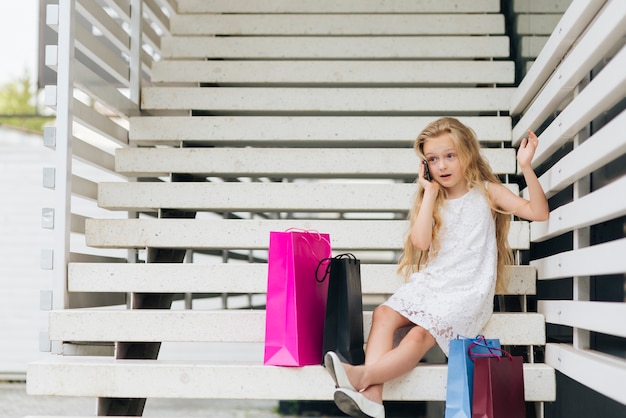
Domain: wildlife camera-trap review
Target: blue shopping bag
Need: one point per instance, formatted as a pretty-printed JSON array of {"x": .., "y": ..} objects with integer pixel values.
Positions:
[{"x": 461, "y": 373}]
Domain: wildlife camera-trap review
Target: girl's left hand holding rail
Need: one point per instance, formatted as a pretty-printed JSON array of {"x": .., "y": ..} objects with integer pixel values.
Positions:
[{"x": 536, "y": 207}]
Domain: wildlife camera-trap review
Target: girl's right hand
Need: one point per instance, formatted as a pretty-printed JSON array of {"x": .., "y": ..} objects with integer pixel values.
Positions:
[{"x": 432, "y": 186}]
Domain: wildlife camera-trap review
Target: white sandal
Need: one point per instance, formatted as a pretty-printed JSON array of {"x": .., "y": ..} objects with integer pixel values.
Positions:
[
  {"x": 336, "y": 371},
  {"x": 357, "y": 405}
]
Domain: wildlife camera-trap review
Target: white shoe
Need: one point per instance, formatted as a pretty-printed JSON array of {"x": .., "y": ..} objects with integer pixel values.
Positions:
[
  {"x": 357, "y": 405},
  {"x": 336, "y": 371}
]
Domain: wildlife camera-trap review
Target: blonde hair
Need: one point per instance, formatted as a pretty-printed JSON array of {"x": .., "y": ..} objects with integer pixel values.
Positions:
[{"x": 477, "y": 173}]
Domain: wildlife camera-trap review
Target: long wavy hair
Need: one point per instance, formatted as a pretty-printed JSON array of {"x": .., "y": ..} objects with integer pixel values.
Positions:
[{"x": 477, "y": 173}]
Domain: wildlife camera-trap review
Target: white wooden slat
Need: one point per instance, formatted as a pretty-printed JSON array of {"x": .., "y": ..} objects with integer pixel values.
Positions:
[
  {"x": 96, "y": 15},
  {"x": 603, "y": 317},
  {"x": 92, "y": 155},
  {"x": 327, "y": 24},
  {"x": 242, "y": 278},
  {"x": 335, "y": 72},
  {"x": 571, "y": 25},
  {"x": 105, "y": 377},
  {"x": 531, "y": 46},
  {"x": 602, "y": 93},
  {"x": 100, "y": 90},
  {"x": 241, "y": 326},
  {"x": 600, "y": 372},
  {"x": 101, "y": 124},
  {"x": 286, "y": 99},
  {"x": 354, "y": 131},
  {"x": 318, "y": 47},
  {"x": 284, "y": 162},
  {"x": 601, "y": 148},
  {"x": 596, "y": 260},
  {"x": 284, "y": 197},
  {"x": 330, "y": 6},
  {"x": 600, "y": 38},
  {"x": 254, "y": 234},
  {"x": 84, "y": 188},
  {"x": 106, "y": 58},
  {"x": 606, "y": 203}
]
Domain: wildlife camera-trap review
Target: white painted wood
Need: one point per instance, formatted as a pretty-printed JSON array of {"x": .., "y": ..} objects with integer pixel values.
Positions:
[
  {"x": 602, "y": 373},
  {"x": 347, "y": 47},
  {"x": 601, "y": 148},
  {"x": 598, "y": 259},
  {"x": 599, "y": 39},
  {"x": 366, "y": 100},
  {"x": 233, "y": 326},
  {"x": 99, "y": 123},
  {"x": 601, "y": 205},
  {"x": 235, "y": 278},
  {"x": 285, "y": 162},
  {"x": 349, "y": 131},
  {"x": 603, "y": 317},
  {"x": 602, "y": 93},
  {"x": 337, "y": 24},
  {"x": 330, "y": 6},
  {"x": 334, "y": 72},
  {"x": 254, "y": 234},
  {"x": 159, "y": 379},
  {"x": 571, "y": 25}
]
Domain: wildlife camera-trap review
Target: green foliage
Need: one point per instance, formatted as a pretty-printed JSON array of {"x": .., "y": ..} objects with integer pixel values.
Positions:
[{"x": 18, "y": 98}]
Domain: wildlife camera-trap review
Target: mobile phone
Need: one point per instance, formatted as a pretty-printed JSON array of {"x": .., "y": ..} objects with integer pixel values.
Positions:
[{"x": 426, "y": 171}]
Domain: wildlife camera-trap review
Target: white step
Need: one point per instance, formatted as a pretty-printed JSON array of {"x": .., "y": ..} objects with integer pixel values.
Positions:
[
  {"x": 331, "y": 6},
  {"x": 287, "y": 163},
  {"x": 335, "y": 72},
  {"x": 284, "y": 99},
  {"x": 105, "y": 377},
  {"x": 337, "y": 24},
  {"x": 242, "y": 326},
  {"x": 235, "y": 278},
  {"x": 351, "y": 235},
  {"x": 348, "y": 131},
  {"x": 318, "y": 47}
]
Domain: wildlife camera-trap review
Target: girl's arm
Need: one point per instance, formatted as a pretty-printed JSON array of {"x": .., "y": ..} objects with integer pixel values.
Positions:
[
  {"x": 536, "y": 207},
  {"x": 422, "y": 228}
]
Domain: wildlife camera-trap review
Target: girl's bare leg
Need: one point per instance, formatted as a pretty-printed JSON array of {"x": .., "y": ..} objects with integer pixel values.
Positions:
[{"x": 382, "y": 361}]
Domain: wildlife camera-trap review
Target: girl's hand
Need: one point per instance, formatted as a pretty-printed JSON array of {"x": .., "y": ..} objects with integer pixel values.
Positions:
[{"x": 527, "y": 150}]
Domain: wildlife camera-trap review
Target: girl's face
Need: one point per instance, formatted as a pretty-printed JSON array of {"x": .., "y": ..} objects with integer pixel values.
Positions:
[{"x": 444, "y": 164}]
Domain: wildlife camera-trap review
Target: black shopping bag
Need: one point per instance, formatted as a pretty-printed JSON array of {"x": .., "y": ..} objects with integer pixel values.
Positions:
[{"x": 343, "y": 324}]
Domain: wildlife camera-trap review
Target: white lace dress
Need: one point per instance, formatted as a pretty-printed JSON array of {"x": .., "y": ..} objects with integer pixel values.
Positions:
[{"x": 453, "y": 294}]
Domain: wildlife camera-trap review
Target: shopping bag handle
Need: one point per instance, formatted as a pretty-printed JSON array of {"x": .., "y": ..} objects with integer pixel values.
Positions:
[
  {"x": 502, "y": 353},
  {"x": 328, "y": 260}
]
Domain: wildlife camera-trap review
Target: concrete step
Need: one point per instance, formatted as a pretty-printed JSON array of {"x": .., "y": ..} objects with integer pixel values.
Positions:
[
  {"x": 236, "y": 278},
  {"x": 350, "y": 235},
  {"x": 286, "y": 163},
  {"x": 336, "y": 24},
  {"x": 334, "y": 72},
  {"x": 314, "y": 131},
  {"x": 258, "y": 196},
  {"x": 242, "y": 326},
  {"x": 330, "y": 6},
  {"x": 327, "y": 100},
  {"x": 106, "y": 377},
  {"x": 329, "y": 47}
]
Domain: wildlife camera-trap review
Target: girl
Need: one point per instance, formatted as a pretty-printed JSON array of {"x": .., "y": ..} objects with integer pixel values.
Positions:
[{"x": 455, "y": 249}]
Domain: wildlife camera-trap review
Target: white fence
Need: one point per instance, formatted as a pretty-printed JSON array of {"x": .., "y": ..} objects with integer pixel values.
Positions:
[
  {"x": 574, "y": 97},
  {"x": 103, "y": 57}
]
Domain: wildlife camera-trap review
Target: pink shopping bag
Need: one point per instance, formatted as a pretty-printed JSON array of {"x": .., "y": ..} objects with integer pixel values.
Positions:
[{"x": 296, "y": 300}]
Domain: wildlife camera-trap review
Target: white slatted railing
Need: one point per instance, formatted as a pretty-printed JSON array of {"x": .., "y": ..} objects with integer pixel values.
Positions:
[{"x": 574, "y": 96}]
